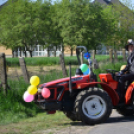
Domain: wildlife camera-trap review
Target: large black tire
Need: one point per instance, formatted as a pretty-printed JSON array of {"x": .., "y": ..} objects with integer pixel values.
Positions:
[
  {"x": 126, "y": 111},
  {"x": 71, "y": 115},
  {"x": 93, "y": 106}
]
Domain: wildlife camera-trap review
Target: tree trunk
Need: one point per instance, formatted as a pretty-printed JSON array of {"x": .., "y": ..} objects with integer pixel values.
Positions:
[
  {"x": 71, "y": 51},
  {"x": 55, "y": 53},
  {"x": 124, "y": 54},
  {"x": 20, "y": 52},
  {"x": 12, "y": 54},
  {"x": 62, "y": 62},
  {"x": 63, "y": 49},
  {"x": 48, "y": 55},
  {"x": 111, "y": 55},
  {"x": 30, "y": 53},
  {"x": 115, "y": 56},
  {"x": 95, "y": 50},
  {"x": 16, "y": 54},
  {"x": 25, "y": 53}
]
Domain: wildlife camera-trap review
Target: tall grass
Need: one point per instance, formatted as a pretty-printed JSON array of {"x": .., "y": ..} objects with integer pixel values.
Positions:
[{"x": 12, "y": 106}]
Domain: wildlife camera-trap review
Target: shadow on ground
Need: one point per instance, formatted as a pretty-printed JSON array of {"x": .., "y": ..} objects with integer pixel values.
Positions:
[
  {"x": 110, "y": 120},
  {"x": 120, "y": 119}
]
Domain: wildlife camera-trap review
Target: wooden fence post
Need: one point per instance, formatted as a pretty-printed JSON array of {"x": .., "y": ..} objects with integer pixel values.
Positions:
[
  {"x": 111, "y": 55},
  {"x": 124, "y": 54},
  {"x": 3, "y": 74},
  {"x": 24, "y": 69},
  {"x": 63, "y": 65}
]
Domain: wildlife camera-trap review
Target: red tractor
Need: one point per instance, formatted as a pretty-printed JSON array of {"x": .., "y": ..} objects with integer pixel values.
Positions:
[{"x": 82, "y": 98}]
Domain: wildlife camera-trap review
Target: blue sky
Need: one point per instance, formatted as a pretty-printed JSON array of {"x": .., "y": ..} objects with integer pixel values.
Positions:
[{"x": 3, "y": 1}]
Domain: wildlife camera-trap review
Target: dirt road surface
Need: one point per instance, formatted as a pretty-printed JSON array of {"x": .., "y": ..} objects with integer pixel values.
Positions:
[{"x": 116, "y": 124}]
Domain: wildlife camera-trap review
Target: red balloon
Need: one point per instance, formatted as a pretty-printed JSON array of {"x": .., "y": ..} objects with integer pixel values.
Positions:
[{"x": 45, "y": 93}]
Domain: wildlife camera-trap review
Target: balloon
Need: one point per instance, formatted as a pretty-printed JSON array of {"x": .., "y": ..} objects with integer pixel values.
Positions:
[
  {"x": 34, "y": 80},
  {"x": 32, "y": 90},
  {"x": 84, "y": 67},
  {"x": 28, "y": 97},
  {"x": 87, "y": 72},
  {"x": 45, "y": 93}
]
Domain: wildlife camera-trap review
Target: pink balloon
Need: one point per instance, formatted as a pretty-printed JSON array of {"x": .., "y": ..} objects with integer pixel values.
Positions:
[
  {"x": 45, "y": 93},
  {"x": 28, "y": 97}
]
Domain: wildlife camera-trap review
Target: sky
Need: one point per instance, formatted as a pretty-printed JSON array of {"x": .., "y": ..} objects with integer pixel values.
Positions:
[{"x": 3, "y": 1}]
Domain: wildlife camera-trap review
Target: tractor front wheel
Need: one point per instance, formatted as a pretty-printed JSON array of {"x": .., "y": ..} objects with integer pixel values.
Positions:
[{"x": 93, "y": 106}]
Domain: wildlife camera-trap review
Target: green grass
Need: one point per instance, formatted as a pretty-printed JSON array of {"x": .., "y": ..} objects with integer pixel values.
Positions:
[
  {"x": 36, "y": 61},
  {"x": 12, "y": 106},
  {"x": 37, "y": 124}
]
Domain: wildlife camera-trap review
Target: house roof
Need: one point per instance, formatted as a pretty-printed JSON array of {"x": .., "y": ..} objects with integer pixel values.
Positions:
[
  {"x": 3, "y": 2},
  {"x": 107, "y": 2}
]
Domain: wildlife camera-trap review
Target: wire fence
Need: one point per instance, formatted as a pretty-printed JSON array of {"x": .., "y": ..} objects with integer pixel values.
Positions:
[
  {"x": 16, "y": 76},
  {"x": 21, "y": 74}
]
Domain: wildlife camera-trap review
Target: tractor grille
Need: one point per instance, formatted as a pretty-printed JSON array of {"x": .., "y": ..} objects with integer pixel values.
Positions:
[{"x": 52, "y": 93}]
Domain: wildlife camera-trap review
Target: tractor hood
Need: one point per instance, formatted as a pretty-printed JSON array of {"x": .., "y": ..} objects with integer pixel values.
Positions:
[{"x": 65, "y": 80}]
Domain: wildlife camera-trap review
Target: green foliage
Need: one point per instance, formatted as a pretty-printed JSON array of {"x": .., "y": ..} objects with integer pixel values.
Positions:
[
  {"x": 75, "y": 22},
  {"x": 25, "y": 24},
  {"x": 82, "y": 23},
  {"x": 13, "y": 108},
  {"x": 120, "y": 18}
]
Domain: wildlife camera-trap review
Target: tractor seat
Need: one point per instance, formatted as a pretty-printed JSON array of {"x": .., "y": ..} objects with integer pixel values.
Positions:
[{"x": 78, "y": 72}]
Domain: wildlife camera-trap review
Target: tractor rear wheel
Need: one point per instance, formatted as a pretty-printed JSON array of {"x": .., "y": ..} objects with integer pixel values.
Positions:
[
  {"x": 93, "y": 106},
  {"x": 71, "y": 115},
  {"x": 127, "y": 110}
]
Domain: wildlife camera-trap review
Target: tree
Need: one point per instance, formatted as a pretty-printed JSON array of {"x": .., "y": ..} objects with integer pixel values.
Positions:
[
  {"x": 82, "y": 23},
  {"x": 23, "y": 24}
]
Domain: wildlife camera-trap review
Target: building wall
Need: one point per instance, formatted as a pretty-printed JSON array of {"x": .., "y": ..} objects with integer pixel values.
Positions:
[
  {"x": 68, "y": 52},
  {"x": 8, "y": 52},
  {"x": 38, "y": 52}
]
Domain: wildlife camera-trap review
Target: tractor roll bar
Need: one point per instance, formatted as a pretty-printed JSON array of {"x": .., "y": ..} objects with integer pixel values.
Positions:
[{"x": 78, "y": 53}]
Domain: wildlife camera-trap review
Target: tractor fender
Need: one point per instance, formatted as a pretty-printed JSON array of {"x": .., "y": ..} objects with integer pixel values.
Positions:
[
  {"x": 129, "y": 93},
  {"x": 111, "y": 92}
]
